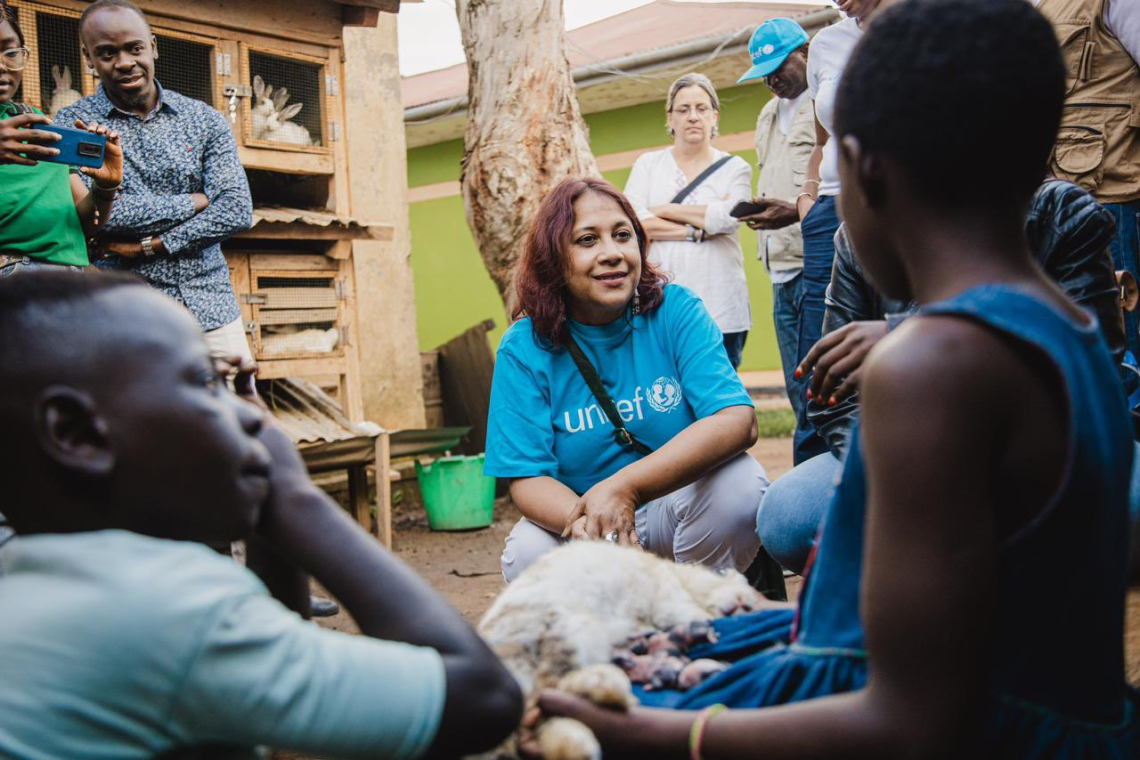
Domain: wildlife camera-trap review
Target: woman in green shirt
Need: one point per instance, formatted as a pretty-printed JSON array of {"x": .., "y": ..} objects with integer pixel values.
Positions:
[{"x": 47, "y": 212}]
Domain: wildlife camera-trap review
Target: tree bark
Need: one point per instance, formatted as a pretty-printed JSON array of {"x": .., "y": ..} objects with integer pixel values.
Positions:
[{"x": 525, "y": 133}]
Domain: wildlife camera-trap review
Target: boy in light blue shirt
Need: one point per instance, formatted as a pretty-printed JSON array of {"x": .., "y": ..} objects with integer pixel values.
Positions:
[{"x": 122, "y": 635}]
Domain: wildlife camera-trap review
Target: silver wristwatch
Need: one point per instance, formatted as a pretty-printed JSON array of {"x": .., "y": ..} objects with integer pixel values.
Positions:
[{"x": 148, "y": 246}]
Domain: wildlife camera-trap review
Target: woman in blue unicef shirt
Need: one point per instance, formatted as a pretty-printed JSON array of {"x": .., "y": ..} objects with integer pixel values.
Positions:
[{"x": 584, "y": 280}]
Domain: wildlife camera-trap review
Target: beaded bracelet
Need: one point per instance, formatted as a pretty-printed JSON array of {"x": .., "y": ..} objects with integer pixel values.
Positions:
[{"x": 697, "y": 732}]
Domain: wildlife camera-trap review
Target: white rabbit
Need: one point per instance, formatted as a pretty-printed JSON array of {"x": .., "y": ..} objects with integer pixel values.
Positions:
[
  {"x": 289, "y": 339},
  {"x": 280, "y": 129},
  {"x": 63, "y": 96},
  {"x": 263, "y": 107}
]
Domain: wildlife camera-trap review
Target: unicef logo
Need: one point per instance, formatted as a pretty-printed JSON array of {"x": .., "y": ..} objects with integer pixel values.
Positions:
[{"x": 664, "y": 394}]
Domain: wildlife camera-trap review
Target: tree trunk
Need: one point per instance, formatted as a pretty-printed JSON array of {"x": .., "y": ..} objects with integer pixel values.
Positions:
[{"x": 525, "y": 133}]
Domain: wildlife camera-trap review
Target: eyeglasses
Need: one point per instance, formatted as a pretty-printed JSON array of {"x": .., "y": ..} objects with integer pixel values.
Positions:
[
  {"x": 702, "y": 111},
  {"x": 14, "y": 59}
]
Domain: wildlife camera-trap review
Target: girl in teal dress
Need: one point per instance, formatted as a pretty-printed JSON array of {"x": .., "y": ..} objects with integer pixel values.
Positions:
[{"x": 941, "y": 615}]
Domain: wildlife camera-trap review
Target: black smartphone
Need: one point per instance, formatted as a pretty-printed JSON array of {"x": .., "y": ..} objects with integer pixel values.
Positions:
[
  {"x": 77, "y": 148},
  {"x": 747, "y": 208}
]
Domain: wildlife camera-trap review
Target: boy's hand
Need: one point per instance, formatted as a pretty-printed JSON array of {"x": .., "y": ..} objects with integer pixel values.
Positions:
[
  {"x": 110, "y": 174},
  {"x": 21, "y": 144}
]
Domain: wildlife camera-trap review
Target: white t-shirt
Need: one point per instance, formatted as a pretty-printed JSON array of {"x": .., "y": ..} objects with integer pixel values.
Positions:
[
  {"x": 786, "y": 110},
  {"x": 1122, "y": 18},
  {"x": 714, "y": 269},
  {"x": 827, "y": 58}
]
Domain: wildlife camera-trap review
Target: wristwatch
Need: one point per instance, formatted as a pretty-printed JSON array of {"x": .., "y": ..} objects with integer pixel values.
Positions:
[{"x": 148, "y": 246}]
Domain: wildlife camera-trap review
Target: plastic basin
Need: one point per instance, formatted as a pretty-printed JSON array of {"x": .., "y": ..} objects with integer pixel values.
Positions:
[{"x": 456, "y": 493}]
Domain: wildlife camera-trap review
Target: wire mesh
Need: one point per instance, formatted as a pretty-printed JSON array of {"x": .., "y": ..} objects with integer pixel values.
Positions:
[
  {"x": 288, "y": 100},
  {"x": 187, "y": 67},
  {"x": 298, "y": 316},
  {"x": 60, "y": 61}
]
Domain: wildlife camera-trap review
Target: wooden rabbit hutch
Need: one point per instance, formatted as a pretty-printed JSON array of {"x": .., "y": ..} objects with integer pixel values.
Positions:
[{"x": 276, "y": 71}]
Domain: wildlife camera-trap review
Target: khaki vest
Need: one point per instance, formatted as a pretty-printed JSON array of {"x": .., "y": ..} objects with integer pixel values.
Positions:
[
  {"x": 783, "y": 167},
  {"x": 1098, "y": 146}
]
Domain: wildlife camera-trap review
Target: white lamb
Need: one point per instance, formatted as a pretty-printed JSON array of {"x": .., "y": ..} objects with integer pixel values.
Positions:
[
  {"x": 558, "y": 623},
  {"x": 62, "y": 96}
]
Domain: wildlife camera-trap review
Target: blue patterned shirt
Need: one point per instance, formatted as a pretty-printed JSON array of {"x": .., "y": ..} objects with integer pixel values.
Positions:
[{"x": 182, "y": 147}]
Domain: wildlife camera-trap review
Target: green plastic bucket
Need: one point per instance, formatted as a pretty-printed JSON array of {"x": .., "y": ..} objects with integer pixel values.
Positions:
[{"x": 457, "y": 495}]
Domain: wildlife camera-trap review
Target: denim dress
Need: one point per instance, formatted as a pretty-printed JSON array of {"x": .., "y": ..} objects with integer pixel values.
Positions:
[{"x": 1056, "y": 685}]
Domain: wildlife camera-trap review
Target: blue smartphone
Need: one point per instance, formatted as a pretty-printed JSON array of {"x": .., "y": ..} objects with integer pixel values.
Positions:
[{"x": 78, "y": 147}]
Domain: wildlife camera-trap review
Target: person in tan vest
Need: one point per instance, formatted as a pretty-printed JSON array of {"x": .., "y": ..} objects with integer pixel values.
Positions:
[
  {"x": 785, "y": 138},
  {"x": 1098, "y": 146}
]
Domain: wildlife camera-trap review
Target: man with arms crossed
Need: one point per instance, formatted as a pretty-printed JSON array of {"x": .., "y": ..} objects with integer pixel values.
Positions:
[{"x": 184, "y": 189}]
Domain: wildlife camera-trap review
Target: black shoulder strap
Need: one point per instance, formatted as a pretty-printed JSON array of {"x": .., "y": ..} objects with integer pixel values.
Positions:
[
  {"x": 700, "y": 178},
  {"x": 590, "y": 375}
]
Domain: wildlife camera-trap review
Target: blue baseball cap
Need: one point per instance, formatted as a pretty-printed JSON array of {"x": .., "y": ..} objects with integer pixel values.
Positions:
[{"x": 771, "y": 44}]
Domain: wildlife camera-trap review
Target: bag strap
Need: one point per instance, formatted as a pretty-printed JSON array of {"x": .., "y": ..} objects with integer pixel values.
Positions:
[
  {"x": 689, "y": 188},
  {"x": 590, "y": 375}
]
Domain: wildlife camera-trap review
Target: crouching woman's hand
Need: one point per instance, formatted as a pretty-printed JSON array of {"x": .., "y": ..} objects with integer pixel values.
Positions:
[{"x": 608, "y": 509}]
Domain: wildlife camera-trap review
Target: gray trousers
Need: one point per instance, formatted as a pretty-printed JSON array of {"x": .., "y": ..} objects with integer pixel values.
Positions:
[{"x": 710, "y": 522}]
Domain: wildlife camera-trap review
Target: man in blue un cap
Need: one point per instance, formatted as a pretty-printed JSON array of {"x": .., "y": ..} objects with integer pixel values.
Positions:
[{"x": 785, "y": 138}]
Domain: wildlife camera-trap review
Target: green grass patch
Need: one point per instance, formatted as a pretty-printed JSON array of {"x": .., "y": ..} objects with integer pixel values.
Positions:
[{"x": 776, "y": 423}]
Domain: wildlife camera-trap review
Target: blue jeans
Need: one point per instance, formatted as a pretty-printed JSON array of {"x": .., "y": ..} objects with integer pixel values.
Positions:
[
  {"x": 787, "y": 300},
  {"x": 734, "y": 346},
  {"x": 27, "y": 264},
  {"x": 1126, "y": 255},
  {"x": 819, "y": 228},
  {"x": 794, "y": 505}
]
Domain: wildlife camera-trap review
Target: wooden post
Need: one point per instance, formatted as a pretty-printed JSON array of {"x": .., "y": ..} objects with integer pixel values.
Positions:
[
  {"x": 384, "y": 489},
  {"x": 358, "y": 495}
]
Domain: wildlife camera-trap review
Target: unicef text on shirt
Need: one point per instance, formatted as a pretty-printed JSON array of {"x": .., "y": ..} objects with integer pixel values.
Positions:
[{"x": 664, "y": 396}]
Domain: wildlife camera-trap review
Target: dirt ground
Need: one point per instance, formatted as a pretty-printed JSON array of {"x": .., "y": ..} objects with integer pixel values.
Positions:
[{"x": 465, "y": 566}]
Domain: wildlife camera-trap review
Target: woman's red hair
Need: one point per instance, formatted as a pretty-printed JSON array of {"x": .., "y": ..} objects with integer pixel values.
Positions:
[{"x": 540, "y": 282}]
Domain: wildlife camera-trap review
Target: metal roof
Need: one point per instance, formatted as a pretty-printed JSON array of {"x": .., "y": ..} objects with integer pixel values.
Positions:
[
  {"x": 309, "y": 415},
  {"x": 659, "y": 25},
  {"x": 283, "y": 215}
]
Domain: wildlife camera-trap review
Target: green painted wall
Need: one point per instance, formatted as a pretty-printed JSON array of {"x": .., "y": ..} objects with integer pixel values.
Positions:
[{"x": 454, "y": 291}]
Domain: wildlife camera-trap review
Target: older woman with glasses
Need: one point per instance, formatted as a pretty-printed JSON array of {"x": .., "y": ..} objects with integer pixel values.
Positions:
[
  {"x": 46, "y": 212},
  {"x": 683, "y": 195}
]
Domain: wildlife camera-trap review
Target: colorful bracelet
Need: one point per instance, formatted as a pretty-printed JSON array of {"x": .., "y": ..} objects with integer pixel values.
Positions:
[{"x": 697, "y": 732}]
